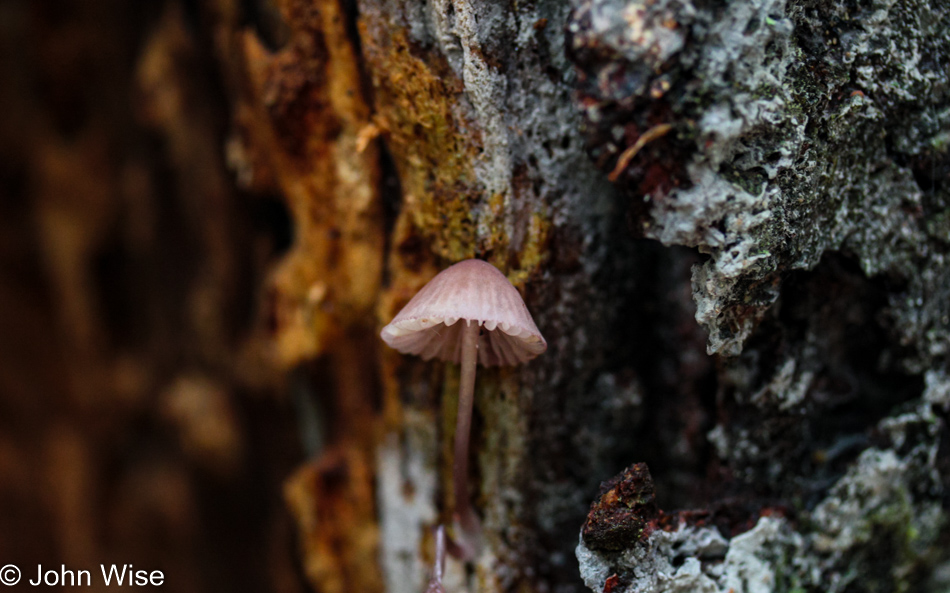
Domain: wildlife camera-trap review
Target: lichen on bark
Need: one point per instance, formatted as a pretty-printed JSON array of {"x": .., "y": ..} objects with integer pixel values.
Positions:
[{"x": 810, "y": 166}]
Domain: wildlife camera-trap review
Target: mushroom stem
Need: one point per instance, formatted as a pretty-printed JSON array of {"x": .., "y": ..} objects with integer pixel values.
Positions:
[
  {"x": 435, "y": 583},
  {"x": 439, "y": 553},
  {"x": 465, "y": 515}
]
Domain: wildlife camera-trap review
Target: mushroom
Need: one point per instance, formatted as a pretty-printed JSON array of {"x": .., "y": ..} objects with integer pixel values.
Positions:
[{"x": 469, "y": 313}]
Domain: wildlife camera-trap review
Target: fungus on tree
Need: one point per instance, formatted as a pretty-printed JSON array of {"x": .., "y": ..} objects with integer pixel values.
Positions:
[{"x": 468, "y": 313}]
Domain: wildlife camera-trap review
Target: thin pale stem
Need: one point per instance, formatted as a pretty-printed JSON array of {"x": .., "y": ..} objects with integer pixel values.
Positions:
[
  {"x": 435, "y": 583},
  {"x": 463, "y": 507},
  {"x": 439, "y": 568}
]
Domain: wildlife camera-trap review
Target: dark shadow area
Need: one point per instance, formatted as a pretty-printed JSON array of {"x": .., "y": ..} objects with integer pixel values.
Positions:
[{"x": 817, "y": 375}]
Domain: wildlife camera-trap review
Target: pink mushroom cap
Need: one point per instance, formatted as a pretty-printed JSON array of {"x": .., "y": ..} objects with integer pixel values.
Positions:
[{"x": 473, "y": 291}]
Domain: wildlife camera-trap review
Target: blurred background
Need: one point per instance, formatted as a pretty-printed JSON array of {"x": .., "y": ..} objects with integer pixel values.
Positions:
[{"x": 140, "y": 419}]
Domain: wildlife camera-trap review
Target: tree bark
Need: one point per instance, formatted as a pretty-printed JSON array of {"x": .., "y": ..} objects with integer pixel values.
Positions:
[{"x": 729, "y": 220}]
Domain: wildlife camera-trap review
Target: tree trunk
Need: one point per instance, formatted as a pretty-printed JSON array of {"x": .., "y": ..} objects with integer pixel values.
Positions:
[{"x": 730, "y": 221}]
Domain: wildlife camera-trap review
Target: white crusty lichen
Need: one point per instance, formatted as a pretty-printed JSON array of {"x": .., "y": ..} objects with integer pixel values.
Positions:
[
  {"x": 888, "y": 499},
  {"x": 800, "y": 138},
  {"x": 698, "y": 560}
]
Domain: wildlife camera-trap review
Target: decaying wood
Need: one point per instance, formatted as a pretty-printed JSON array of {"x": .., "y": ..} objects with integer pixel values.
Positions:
[{"x": 730, "y": 222}]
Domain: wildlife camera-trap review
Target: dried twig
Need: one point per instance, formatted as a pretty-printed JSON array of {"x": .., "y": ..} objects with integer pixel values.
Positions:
[{"x": 627, "y": 155}]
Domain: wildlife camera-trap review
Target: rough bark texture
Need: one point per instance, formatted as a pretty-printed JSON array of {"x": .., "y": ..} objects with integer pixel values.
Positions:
[{"x": 730, "y": 220}]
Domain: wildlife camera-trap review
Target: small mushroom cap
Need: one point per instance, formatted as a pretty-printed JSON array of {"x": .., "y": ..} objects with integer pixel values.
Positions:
[{"x": 470, "y": 291}]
